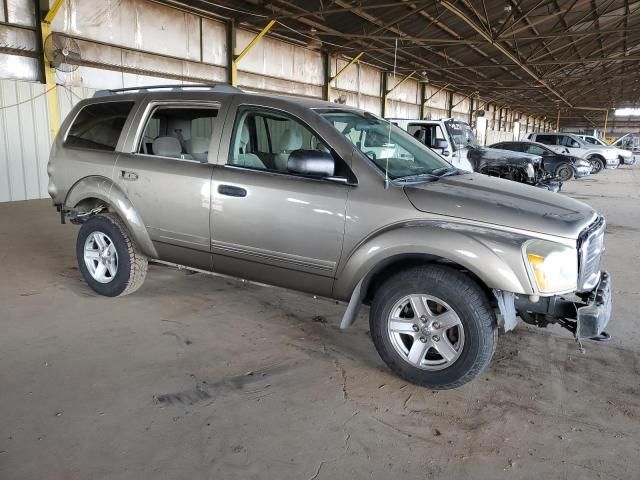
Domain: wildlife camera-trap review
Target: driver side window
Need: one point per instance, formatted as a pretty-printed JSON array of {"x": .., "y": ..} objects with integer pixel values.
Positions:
[
  {"x": 534, "y": 150},
  {"x": 264, "y": 140}
]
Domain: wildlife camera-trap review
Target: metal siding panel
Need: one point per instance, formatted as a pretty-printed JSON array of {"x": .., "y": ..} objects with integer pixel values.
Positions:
[
  {"x": 41, "y": 129},
  {"x": 27, "y": 140},
  {"x": 20, "y": 68},
  {"x": 15, "y": 172},
  {"x": 22, "y": 12},
  {"x": 5, "y": 185},
  {"x": 134, "y": 23},
  {"x": 214, "y": 42}
]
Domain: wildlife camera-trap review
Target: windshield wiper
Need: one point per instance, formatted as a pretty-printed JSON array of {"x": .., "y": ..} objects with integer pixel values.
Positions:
[
  {"x": 421, "y": 177},
  {"x": 445, "y": 171}
]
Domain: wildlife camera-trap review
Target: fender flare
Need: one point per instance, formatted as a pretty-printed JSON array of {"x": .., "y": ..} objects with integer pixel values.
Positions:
[
  {"x": 459, "y": 243},
  {"x": 108, "y": 191}
]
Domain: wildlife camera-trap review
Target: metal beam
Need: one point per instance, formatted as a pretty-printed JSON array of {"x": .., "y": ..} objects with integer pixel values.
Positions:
[
  {"x": 53, "y": 108},
  {"x": 462, "y": 16},
  {"x": 247, "y": 49},
  {"x": 327, "y": 86}
]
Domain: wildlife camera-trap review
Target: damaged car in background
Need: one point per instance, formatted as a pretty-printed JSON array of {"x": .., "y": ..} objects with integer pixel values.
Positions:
[
  {"x": 561, "y": 165},
  {"x": 455, "y": 141}
]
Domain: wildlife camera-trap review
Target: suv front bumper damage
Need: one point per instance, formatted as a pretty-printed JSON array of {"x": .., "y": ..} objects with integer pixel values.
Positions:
[{"x": 585, "y": 315}]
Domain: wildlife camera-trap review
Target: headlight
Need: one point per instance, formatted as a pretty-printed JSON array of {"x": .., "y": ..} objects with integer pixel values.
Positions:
[
  {"x": 530, "y": 171},
  {"x": 554, "y": 266}
]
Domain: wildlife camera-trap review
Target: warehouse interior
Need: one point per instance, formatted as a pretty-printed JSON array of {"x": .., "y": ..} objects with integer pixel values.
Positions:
[{"x": 211, "y": 376}]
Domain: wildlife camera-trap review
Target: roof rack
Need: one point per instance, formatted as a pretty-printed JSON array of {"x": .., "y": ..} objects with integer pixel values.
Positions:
[{"x": 215, "y": 87}]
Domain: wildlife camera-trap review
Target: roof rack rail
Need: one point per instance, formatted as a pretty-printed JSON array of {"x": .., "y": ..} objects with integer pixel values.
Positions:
[{"x": 214, "y": 87}]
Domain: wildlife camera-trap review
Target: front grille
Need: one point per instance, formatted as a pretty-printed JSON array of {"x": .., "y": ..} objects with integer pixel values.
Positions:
[{"x": 590, "y": 249}]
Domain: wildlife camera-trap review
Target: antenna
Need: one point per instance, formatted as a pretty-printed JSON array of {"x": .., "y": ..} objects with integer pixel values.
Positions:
[{"x": 386, "y": 168}]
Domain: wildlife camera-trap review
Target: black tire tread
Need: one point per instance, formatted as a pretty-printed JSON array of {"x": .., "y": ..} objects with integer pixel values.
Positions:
[
  {"x": 139, "y": 263},
  {"x": 563, "y": 165},
  {"x": 463, "y": 286}
]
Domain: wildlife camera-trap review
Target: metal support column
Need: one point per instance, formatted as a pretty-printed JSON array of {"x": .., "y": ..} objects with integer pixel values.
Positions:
[
  {"x": 387, "y": 92},
  {"x": 53, "y": 109},
  {"x": 236, "y": 58},
  {"x": 327, "y": 86}
]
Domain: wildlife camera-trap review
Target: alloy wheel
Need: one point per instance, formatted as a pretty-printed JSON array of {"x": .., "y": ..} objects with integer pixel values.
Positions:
[
  {"x": 101, "y": 257},
  {"x": 425, "y": 332}
]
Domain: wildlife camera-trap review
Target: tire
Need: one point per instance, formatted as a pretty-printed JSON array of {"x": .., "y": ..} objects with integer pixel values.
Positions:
[
  {"x": 565, "y": 172},
  {"x": 597, "y": 164},
  {"x": 453, "y": 291},
  {"x": 98, "y": 237}
]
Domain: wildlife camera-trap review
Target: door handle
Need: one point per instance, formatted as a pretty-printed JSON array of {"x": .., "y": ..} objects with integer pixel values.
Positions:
[
  {"x": 231, "y": 191},
  {"x": 127, "y": 175}
]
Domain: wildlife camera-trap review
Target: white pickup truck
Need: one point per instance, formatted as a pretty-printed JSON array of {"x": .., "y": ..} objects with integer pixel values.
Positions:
[
  {"x": 449, "y": 137},
  {"x": 626, "y": 157}
]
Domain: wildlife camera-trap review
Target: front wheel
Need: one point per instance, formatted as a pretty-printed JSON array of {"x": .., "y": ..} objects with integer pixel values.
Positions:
[
  {"x": 108, "y": 257},
  {"x": 433, "y": 326},
  {"x": 564, "y": 172}
]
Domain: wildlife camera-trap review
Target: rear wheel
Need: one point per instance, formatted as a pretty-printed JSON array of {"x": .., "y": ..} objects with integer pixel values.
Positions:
[
  {"x": 564, "y": 172},
  {"x": 433, "y": 326},
  {"x": 109, "y": 259}
]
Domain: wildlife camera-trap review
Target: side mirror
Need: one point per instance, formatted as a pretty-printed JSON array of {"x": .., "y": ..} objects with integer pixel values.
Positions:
[
  {"x": 440, "y": 143},
  {"x": 575, "y": 144},
  {"x": 445, "y": 153},
  {"x": 311, "y": 162}
]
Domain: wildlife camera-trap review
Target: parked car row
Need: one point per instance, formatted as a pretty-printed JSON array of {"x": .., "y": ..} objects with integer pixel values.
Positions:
[
  {"x": 541, "y": 159},
  {"x": 455, "y": 141},
  {"x": 600, "y": 156}
]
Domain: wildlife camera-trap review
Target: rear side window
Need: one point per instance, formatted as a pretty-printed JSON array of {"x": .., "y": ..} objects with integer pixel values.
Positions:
[
  {"x": 98, "y": 126},
  {"x": 547, "y": 139},
  {"x": 179, "y": 131}
]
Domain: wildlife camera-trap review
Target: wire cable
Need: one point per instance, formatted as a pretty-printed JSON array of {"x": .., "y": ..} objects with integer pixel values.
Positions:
[{"x": 28, "y": 100}]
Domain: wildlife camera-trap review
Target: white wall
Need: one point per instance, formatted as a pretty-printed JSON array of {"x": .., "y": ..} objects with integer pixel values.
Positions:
[{"x": 24, "y": 137}]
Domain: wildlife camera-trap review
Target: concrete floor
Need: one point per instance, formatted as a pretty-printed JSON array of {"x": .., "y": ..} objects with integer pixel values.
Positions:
[{"x": 196, "y": 376}]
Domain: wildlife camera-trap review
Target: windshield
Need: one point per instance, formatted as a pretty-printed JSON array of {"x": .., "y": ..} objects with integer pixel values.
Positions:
[
  {"x": 387, "y": 146},
  {"x": 460, "y": 132}
]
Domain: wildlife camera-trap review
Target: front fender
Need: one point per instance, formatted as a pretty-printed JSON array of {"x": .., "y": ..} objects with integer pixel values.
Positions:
[
  {"x": 106, "y": 190},
  {"x": 494, "y": 256}
]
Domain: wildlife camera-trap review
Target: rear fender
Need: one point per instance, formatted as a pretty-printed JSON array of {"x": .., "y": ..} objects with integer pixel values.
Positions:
[{"x": 107, "y": 191}]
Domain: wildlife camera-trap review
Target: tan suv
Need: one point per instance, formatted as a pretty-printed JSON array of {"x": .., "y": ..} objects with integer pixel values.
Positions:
[{"x": 332, "y": 201}]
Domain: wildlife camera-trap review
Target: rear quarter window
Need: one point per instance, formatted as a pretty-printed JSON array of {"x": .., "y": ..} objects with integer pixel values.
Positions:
[{"x": 98, "y": 126}]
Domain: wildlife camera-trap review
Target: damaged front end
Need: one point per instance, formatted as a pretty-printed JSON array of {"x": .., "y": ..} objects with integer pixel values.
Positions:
[
  {"x": 585, "y": 312},
  {"x": 517, "y": 167}
]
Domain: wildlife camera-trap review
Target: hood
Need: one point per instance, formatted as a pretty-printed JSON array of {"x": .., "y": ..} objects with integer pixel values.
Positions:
[
  {"x": 487, "y": 155},
  {"x": 502, "y": 202},
  {"x": 624, "y": 153},
  {"x": 597, "y": 146}
]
